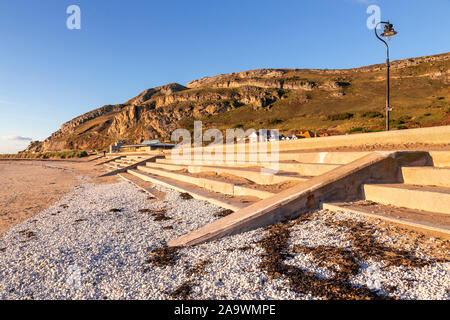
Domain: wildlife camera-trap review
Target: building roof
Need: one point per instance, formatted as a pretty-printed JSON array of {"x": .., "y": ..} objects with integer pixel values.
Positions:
[
  {"x": 151, "y": 142},
  {"x": 268, "y": 132},
  {"x": 158, "y": 144}
]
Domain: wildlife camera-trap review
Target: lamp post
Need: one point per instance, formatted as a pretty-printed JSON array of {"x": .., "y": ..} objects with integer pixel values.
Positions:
[{"x": 388, "y": 33}]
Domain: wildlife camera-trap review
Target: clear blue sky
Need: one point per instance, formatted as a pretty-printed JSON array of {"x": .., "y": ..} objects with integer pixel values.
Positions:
[{"x": 50, "y": 74}]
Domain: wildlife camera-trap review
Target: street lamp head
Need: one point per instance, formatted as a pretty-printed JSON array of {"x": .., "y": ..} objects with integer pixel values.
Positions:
[{"x": 389, "y": 31}]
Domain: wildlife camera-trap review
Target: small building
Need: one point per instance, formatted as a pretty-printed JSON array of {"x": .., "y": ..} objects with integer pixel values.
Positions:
[
  {"x": 253, "y": 138},
  {"x": 145, "y": 146},
  {"x": 263, "y": 135},
  {"x": 306, "y": 134},
  {"x": 115, "y": 147}
]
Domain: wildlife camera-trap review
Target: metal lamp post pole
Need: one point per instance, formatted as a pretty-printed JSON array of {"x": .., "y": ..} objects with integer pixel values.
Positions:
[{"x": 387, "y": 74}]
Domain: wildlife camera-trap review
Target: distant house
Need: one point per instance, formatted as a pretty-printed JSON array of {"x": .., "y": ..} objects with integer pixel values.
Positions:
[
  {"x": 325, "y": 134},
  {"x": 253, "y": 138},
  {"x": 273, "y": 137},
  {"x": 306, "y": 134},
  {"x": 263, "y": 136},
  {"x": 301, "y": 135}
]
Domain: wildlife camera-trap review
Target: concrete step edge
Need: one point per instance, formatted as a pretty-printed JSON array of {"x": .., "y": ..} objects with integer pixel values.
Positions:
[
  {"x": 195, "y": 195},
  {"x": 231, "y": 170},
  {"x": 233, "y": 190},
  {"x": 335, "y": 207},
  {"x": 412, "y": 195}
]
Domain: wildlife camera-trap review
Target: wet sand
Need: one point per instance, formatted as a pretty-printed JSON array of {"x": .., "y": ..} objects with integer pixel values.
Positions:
[{"x": 29, "y": 187}]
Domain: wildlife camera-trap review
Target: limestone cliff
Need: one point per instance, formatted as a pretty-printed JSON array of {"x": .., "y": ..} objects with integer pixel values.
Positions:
[{"x": 289, "y": 98}]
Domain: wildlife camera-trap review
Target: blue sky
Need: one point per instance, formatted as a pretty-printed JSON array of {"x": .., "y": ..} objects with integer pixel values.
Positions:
[{"x": 50, "y": 74}]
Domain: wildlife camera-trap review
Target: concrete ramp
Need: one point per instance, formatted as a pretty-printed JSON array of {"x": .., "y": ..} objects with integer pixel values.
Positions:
[{"x": 343, "y": 183}]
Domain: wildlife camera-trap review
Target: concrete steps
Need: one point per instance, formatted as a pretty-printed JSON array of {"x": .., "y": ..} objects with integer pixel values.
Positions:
[
  {"x": 322, "y": 157},
  {"x": 123, "y": 163},
  {"x": 129, "y": 160},
  {"x": 440, "y": 159},
  {"x": 302, "y": 169},
  {"x": 428, "y": 222},
  {"x": 254, "y": 175},
  {"x": 343, "y": 182},
  {"x": 234, "y": 203},
  {"x": 421, "y": 202},
  {"x": 141, "y": 157},
  {"x": 226, "y": 188},
  {"x": 107, "y": 159},
  {"x": 427, "y": 176},
  {"x": 427, "y": 198},
  {"x": 114, "y": 165},
  {"x": 304, "y": 157}
]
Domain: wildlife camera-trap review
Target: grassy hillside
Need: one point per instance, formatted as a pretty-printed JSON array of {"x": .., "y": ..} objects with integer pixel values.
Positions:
[
  {"x": 69, "y": 154},
  {"x": 333, "y": 101},
  {"x": 416, "y": 101}
]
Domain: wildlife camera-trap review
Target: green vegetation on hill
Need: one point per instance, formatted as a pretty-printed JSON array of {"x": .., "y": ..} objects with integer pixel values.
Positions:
[
  {"x": 423, "y": 99},
  {"x": 68, "y": 154}
]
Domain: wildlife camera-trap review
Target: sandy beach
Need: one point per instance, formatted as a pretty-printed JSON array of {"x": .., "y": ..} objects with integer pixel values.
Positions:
[{"x": 29, "y": 187}]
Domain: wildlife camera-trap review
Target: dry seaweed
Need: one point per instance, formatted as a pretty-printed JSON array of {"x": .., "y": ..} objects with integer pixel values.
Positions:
[
  {"x": 182, "y": 292},
  {"x": 223, "y": 213},
  {"x": 158, "y": 214},
  {"x": 28, "y": 234},
  {"x": 344, "y": 262},
  {"x": 164, "y": 256},
  {"x": 367, "y": 246},
  {"x": 186, "y": 196},
  {"x": 341, "y": 261},
  {"x": 275, "y": 245},
  {"x": 185, "y": 289},
  {"x": 198, "y": 269}
]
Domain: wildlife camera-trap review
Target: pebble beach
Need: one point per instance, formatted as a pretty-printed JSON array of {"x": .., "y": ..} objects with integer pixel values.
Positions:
[{"x": 108, "y": 241}]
